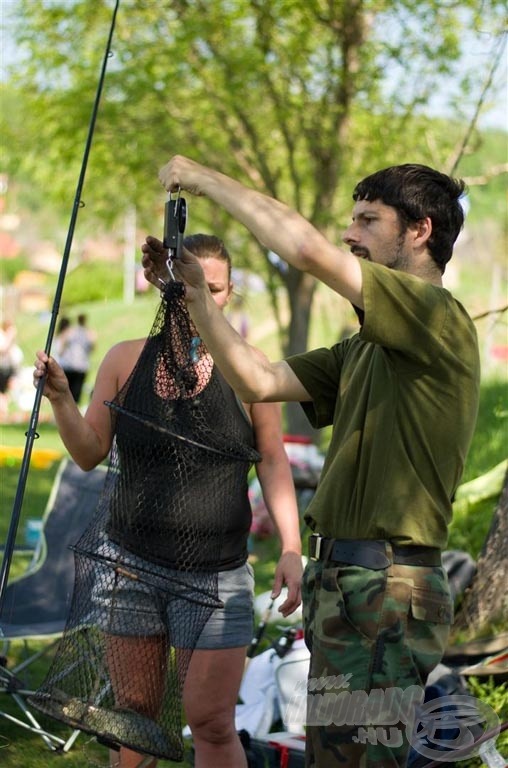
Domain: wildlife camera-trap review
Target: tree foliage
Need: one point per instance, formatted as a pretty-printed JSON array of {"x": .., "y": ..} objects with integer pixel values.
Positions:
[{"x": 299, "y": 99}]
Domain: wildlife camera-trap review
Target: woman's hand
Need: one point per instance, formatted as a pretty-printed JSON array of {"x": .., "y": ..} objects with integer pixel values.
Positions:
[
  {"x": 56, "y": 384},
  {"x": 154, "y": 261},
  {"x": 187, "y": 268},
  {"x": 289, "y": 572}
]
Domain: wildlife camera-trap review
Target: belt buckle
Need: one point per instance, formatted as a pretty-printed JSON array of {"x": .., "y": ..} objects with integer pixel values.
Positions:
[{"x": 316, "y": 540}]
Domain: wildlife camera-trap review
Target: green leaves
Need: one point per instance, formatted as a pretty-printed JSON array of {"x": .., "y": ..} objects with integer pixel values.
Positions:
[
  {"x": 300, "y": 99},
  {"x": 277, "y": 91}
]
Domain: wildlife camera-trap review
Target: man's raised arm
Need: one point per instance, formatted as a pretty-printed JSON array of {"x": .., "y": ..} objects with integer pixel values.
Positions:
[{"x": 274, "y": 224}]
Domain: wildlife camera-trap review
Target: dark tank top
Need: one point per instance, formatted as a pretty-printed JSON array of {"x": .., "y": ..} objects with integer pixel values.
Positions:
[{"x": 180, "y": 499}]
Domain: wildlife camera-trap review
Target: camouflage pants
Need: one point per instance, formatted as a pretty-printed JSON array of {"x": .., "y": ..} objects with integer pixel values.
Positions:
[{"x": 374, "y": 636}]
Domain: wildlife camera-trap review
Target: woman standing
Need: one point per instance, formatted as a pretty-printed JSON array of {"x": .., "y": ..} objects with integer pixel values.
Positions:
[{"x": 215, "y": 670}]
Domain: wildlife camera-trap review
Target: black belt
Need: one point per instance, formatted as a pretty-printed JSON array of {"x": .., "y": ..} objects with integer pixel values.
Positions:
[{"x": 370, "y": 553}]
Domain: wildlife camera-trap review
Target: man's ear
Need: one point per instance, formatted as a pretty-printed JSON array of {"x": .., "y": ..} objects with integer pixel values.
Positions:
[{"x": 422, "y": 231}]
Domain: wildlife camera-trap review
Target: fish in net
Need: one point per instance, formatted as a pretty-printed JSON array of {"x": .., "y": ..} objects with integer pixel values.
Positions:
[{"x": 146, "y": 568}]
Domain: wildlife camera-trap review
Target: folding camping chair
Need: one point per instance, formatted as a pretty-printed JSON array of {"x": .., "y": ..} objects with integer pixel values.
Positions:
[{"x": 36, "y": 604}]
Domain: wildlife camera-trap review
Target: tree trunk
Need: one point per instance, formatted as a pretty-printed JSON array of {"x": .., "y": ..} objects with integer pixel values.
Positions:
[
  {"x": 486, "y": 600},
  {"x": 300, "y": 289}
]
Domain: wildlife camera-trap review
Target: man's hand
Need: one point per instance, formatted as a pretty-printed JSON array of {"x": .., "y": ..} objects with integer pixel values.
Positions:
[
  {"x": 182, "y": 173},
  {"x": 289, "y": 572}
]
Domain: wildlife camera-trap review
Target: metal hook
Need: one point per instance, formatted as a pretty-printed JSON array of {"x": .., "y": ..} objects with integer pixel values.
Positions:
[{"x": 169, "y": 266}]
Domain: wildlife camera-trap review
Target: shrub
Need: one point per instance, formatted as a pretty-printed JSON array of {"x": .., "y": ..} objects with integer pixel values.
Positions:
[{"x": 94, "y": 281}]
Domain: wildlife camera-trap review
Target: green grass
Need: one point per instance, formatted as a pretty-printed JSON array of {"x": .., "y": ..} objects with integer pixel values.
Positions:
[
  {"x": 470, "y": 527},
  {"x": 490, "y": 442}
]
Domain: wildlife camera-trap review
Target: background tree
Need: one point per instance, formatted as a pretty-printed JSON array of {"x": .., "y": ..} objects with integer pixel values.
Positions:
[{"x": 298, "y": 98}]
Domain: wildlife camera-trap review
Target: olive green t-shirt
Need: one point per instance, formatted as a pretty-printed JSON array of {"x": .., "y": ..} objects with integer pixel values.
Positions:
[{"x": 402, "y": 396}]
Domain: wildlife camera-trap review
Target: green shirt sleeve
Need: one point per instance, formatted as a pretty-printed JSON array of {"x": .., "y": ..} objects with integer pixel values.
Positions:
[{"x": 403, "y": 313}]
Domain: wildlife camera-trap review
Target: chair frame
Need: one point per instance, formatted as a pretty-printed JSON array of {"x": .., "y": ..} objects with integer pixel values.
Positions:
[{"x": 13, "y": 681}]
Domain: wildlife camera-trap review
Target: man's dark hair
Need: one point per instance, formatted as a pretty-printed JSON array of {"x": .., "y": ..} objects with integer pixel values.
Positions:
[{"x": 417, "y": 191}]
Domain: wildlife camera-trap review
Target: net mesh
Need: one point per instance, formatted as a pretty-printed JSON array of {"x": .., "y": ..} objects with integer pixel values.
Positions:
[{"x": 146, "y": 576}]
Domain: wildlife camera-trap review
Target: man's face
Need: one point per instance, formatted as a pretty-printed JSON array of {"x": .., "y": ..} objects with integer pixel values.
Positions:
[{"x": 376, "y": 234}]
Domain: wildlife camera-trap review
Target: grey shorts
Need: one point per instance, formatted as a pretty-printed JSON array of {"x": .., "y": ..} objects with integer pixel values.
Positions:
[{"x": 136, "y": 608}]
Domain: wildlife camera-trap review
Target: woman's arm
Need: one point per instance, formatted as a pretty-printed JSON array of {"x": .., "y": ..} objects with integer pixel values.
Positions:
[
  {"x": 276, "y": 482},
  {"x": 87, "y": 438}
]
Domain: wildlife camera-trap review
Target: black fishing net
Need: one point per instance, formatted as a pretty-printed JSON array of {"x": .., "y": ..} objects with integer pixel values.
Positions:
[{"x": 146, "y": 568}]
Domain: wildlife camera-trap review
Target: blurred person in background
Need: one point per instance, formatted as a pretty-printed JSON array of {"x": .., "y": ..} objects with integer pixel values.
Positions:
[
  {"x": 74, "y": 346},
  {"x": 11, "y": 358}
]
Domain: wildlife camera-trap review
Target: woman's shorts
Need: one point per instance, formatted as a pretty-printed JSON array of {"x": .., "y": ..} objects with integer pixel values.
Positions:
[{"x": 137, "y": 608}]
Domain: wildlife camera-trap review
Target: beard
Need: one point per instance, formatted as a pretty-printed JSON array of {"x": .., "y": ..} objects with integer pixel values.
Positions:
[
  {"x": 396, "y": 257},
  {"x": 400, "y": 258}
]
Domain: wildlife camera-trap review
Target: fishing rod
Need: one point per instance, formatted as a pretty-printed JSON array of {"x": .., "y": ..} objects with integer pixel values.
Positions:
[{"x": 31, "y": 434}]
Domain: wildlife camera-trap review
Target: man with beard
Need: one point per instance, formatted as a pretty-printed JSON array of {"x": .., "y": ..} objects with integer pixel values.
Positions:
[{"x": 402, "y": 396}]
